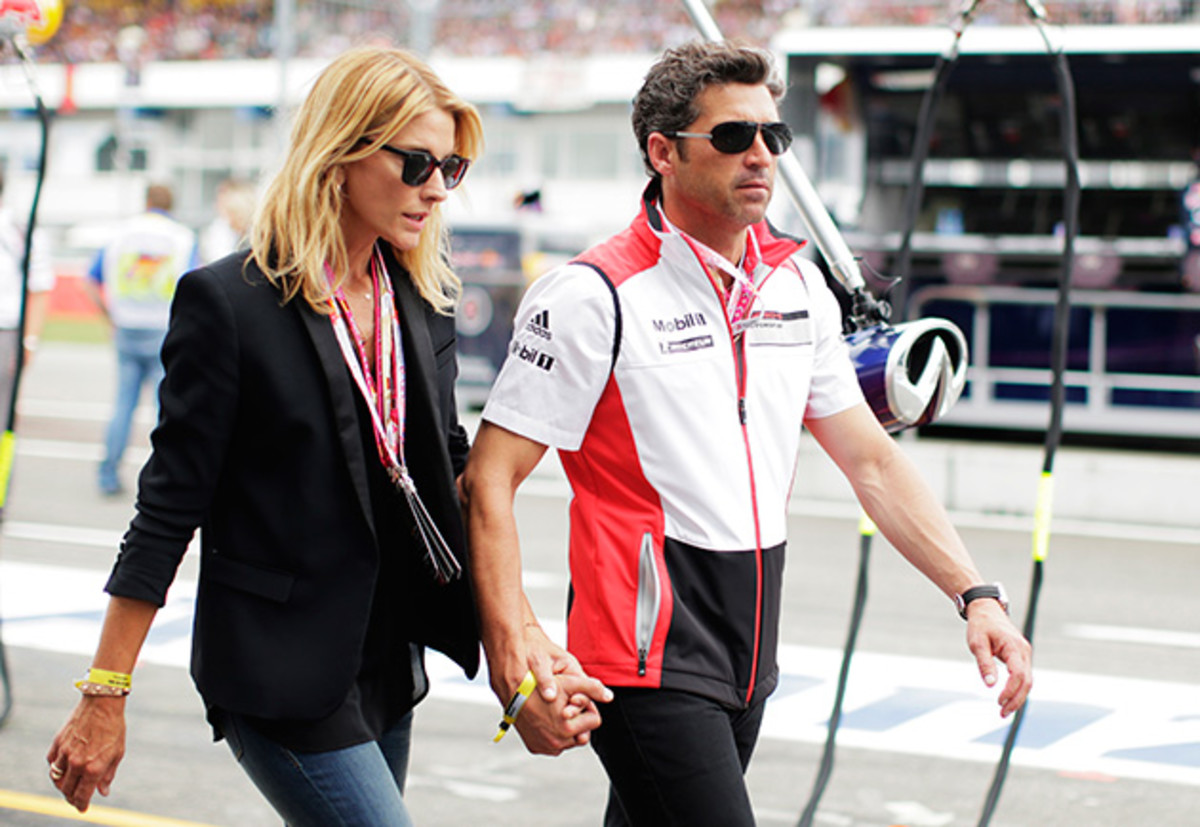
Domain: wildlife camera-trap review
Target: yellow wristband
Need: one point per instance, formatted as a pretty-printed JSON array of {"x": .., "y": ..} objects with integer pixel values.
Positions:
[
  {"x": 105, "y": 684},
  {"x": 105, "y": 678},
  {"x": 528, "y": 683}
]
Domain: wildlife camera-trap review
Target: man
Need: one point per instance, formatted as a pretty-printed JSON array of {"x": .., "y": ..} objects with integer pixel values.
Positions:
[
  {"x": 37, "y": 296},
  {"x": 676, "y": 400},
  {"x": 132, "y": 280}
]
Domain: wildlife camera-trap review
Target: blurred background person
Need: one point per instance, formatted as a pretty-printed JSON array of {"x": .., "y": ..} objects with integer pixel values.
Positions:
[
  {"x": 133, "y": 280},
  {"x": 229, "y": 231},
  {"x": 41, "y": 283}
]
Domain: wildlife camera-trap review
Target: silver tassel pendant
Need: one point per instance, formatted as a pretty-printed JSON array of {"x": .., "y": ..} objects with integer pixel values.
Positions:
[{"x": 439, "y": 559}]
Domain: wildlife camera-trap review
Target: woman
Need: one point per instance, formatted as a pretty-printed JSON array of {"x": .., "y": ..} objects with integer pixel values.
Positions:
[{"x": 309, "y": 429}]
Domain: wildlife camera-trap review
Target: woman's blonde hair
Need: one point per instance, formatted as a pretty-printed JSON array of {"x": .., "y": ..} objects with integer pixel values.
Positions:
[{"x": 358, "y": 103}]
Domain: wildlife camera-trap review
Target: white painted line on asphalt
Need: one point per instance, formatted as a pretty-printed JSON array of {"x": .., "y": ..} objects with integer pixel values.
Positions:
[
  {"x": 81, "y": 451},
  {"x": 1133, "y": 634},
  {"x": 67, "y": 535},
  {"x": 1121, "y": 727},
  {"x": 81, "y": 411}
]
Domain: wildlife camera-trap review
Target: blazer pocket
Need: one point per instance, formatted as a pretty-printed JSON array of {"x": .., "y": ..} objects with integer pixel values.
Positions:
[{"x": 267, "y": 583}]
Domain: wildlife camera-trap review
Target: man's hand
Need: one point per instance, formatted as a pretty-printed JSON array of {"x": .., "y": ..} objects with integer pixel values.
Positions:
[
  {"x": 84, "y": 755},
  {"x": 552, "y": 727},
  {"x": 991, "y": 636},
  {"x": 562, "y": 712}
]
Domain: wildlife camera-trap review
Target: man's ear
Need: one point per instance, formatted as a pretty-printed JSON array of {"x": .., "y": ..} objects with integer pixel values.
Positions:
[{"x": 661, "y": 151}]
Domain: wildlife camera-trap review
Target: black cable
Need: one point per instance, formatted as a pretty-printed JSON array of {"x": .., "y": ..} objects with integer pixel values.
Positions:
[
  {"x": 896, "y": 299},
  {"x": 825, "y": 770},
  {"x": 1058, "y": 364},
  {"x": 8, "y": 439},
  {"x": 922, "y": 143}
]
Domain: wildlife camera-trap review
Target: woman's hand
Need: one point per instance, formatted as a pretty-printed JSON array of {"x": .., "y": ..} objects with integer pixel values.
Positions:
[{"x": 84, "y": 755}]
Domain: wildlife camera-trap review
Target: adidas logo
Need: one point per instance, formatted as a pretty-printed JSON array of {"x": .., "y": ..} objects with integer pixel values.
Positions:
[{"x": 539, "y": 325}]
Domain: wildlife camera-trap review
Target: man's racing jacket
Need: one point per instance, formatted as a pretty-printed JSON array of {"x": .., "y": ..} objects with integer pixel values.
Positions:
[{"x": 680, "y": 440}]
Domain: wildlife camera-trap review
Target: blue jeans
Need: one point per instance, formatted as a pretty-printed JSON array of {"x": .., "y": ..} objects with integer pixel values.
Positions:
[
  {"x": 138, "y": 364},
  {"x": 359, "y": 786}
]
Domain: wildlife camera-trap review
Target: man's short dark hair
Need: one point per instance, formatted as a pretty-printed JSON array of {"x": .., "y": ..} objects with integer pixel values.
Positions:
[{"x": 667, "y": 100}]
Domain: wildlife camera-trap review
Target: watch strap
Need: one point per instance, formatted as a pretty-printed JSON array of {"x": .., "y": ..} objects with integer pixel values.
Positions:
[{"x": 995, "y": 591}]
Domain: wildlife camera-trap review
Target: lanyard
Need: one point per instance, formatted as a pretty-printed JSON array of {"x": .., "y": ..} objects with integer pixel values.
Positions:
[
  {"x": 741, "y": 296},
  {"x": 384, "y": 392}
]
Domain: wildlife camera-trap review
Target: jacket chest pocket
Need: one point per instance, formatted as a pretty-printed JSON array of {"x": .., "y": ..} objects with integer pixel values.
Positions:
[{"x": 780, "y": 329}]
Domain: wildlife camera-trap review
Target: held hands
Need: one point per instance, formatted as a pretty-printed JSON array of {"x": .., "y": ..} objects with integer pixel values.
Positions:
[
  {"x": 561, "y": 712},
  {"x": 84, "y": 755},
  {"x": 991, "y": 636}
]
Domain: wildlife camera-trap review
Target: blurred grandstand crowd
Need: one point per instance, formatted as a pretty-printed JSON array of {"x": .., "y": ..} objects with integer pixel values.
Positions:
[{"x": 111, "y": 30}]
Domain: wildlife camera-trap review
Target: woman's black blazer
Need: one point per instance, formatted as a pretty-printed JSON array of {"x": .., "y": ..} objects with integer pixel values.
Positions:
[{"x": 259, "y": 445}]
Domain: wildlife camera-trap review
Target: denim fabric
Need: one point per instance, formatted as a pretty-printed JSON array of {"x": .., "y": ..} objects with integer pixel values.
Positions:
[
  {"x": 359, "y": 786},
  {"x": 138, "y": 365}
]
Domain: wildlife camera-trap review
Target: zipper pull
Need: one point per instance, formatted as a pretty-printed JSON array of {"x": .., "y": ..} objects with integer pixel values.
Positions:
[
  {"x": 643, "y": 654},
  {"x": 742, "y": 410}
]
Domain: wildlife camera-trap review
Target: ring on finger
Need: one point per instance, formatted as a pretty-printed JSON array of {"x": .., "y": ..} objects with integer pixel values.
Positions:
[{"x": 56, "y": 772}]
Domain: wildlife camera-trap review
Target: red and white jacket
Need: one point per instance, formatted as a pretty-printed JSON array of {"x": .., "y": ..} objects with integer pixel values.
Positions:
[{"x": 681, "y": 451}]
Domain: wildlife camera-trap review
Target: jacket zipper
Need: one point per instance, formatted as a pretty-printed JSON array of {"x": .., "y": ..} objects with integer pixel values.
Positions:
[
  {"x": 739, "y": 354},
  {"x": 738, "y": 343},
  {"x": 649, "y": 600}
]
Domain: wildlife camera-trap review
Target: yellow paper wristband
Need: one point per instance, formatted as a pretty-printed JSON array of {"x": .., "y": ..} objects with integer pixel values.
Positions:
[
  {"x": 528, "y": 683},
  {"x": 105, "y": 678}
]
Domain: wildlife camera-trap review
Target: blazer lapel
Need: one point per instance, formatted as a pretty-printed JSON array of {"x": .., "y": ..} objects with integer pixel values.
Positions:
[
  {"x": 420, "y": 368},
  {"x": 341, "y": 395}
]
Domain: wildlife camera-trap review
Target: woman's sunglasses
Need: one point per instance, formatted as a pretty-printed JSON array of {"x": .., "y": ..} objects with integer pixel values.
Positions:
[
  {"x": 419, "y": 165},
  {"x": 733, "y": 137}
]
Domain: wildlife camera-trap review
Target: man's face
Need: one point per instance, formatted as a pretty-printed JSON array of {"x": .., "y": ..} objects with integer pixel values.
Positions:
[{"x": 720, "y": 192}]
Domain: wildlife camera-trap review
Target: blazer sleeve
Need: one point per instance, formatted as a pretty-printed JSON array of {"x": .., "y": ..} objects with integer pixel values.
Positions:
[{"x": 197, "y": 406}]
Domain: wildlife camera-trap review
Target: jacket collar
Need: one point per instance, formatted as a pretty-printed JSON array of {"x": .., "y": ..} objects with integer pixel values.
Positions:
[{"x": 766, "y": 244}]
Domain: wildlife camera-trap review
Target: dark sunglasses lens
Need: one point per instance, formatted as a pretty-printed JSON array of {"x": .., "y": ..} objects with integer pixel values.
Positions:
[
  {"x": 733, "y": 137},
  {"x": 778, "y": 137},
  {"x": 453, "y": 170},
  {"x": 418, "y": 166}
]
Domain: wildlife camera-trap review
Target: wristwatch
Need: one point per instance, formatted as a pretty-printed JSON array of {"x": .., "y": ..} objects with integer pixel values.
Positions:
[{"x": 992, "y": 590}]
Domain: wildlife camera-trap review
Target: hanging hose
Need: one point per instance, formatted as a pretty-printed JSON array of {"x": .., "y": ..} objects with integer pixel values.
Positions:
[
  {"x": 8, "y": 438},
  {"x": 1058, "y": 364},
  {"x": 866, "y": 532},
  {"x": 922, "y": 142},
  {"x": 897, "y": 298}
]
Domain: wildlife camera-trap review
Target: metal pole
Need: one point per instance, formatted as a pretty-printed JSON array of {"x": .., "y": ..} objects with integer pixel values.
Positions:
[{"x": 285, "y": 46}]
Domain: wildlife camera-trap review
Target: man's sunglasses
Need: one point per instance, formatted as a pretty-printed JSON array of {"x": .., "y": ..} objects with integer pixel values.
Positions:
[
  {"x": 733, "y": 137},
  {"x": 419, "y": 165}
]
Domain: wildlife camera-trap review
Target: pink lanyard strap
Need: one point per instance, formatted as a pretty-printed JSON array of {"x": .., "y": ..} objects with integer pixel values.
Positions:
[
  {"x": 739, "y": 298},
  {"x": 384, "y": 393}
]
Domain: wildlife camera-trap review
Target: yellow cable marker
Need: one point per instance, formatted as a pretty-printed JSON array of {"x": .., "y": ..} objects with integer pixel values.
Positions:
[
  {"x": 866, "y": 526},
  {"x": 8, "y": 448},
  {"x": 1041, "y": 517},
  {"x": 528, "y": 683}
]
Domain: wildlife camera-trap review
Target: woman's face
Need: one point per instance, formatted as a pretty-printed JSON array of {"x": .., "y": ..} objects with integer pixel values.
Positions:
[{"x": 378, "y": 204}]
